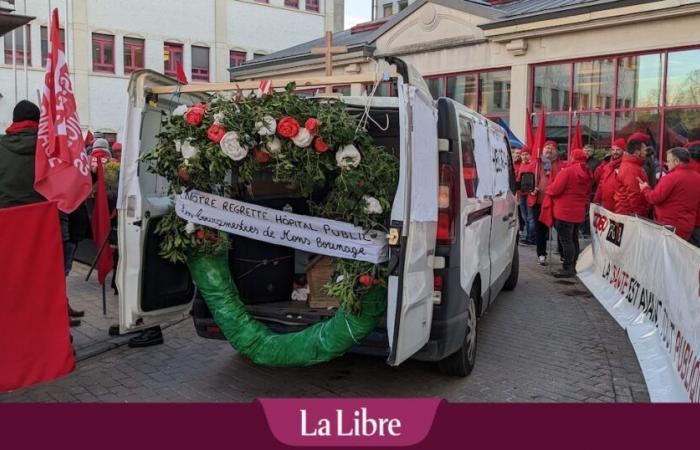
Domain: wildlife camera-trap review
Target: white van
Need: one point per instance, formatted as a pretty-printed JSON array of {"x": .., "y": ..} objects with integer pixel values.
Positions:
[{"x": 453, "y": 231}]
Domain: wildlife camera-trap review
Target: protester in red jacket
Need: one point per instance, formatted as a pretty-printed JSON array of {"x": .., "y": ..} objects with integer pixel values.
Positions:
[
  {"x": 676, "y": 198},
  {"x": 570, "y": 192},
  {"x": 628, "y": 199},
  {"x": 607, "y": 181},
  {"x": 547, "y": 169},
  {"x": 616, "y": 151},
  {"x": 528, "y": 236},
  {"x": 694, "y": 149}
]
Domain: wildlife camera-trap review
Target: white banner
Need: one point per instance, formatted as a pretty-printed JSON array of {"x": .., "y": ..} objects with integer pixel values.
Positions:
[
  {"x": 649, "y": 281},
  {"x": 311, "y": 234}
]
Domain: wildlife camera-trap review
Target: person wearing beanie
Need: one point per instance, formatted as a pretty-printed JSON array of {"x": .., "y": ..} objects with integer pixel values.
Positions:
[
  {"x": 548, "y": 168},
  {"x": 17, "y": 154},
  {"x": 526, "y": 211},
  {"x": 570, "y": 192},
  {"x": 607, "y": 179},
  {"x": 676, "y": 199},
  {"x": 628, "y": 198}
]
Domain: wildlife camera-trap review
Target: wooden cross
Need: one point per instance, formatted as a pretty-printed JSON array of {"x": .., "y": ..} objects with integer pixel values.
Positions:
[{"x": 329, "y": 51}]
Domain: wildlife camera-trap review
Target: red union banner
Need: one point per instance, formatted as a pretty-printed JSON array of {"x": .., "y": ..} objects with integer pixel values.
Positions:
[
  {"x": 62, "y": 172},
  {"x": 648, "y": 280}
]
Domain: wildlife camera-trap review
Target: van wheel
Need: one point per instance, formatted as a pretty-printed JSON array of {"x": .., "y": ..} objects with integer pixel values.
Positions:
[
  {"x": 461, "y": 363},
  {"x": 512, "y": 280}
]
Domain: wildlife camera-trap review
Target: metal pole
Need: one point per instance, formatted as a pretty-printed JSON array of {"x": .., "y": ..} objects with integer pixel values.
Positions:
[{"x": 26, "y": 31}]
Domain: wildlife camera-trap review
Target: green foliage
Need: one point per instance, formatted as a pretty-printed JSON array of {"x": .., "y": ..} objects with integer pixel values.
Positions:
[{"x": 304, "y": 169}]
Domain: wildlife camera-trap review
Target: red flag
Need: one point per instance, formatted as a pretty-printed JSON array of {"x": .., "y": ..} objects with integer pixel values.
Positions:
[
  {"x": 577, "y": 141},
  {"x": 541, "y": 136},
  {"x": 530, "y": 136},
  {"x": 180, "y": 71},
  {"x": 34, "y": 337},
  {"x": 264, "y": 88},
  {"x": 62, "y": 171},
  {"x": 101, "y": 226},
  {"x": 89, "y": 138}
]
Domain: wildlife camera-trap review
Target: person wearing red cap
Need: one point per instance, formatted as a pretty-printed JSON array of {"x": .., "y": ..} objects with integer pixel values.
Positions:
[
  {"x": 607, "y": 177},
  {"x": 676, "y": 199},
  {"x": 628, "y": 199},
  {"x": 548, "y": 168},
  {"x": 570, "y": 192}
]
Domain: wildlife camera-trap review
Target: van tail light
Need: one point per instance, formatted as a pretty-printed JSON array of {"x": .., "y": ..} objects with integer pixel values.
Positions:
[
  {"x": 446, "y": 206},
  {"x": 438, "y": 283}
]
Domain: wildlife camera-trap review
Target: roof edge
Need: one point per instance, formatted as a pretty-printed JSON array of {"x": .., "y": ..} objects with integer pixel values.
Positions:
[{"x": 564, "y": 12}]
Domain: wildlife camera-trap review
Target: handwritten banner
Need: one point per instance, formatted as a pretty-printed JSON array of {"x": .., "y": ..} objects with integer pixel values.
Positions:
[{"x": 311, "y": 234}]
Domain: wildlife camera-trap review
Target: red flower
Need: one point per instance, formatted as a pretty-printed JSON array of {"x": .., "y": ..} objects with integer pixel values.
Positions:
[
  {"x": 201, "y": 234},
  {"x": 366, "y": 280},
  {"x": 212, "y": 237},
  {"x": 312, "y": 125},
  {"x": 320, "y": 145},
  {"x": 182, "y": 173},
  {"x": 195, "y": 115},
  {"x": 288, "y": 127},
  {"x": 216, "y": 132},
  {"x": 261, "y": 156},
  {"x": 361, "y": 183}
]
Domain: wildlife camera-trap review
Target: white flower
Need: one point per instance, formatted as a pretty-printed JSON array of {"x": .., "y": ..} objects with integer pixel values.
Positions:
[
  {"x": 274, "y": 146},
  {"x": 303, "y": 139},
  {"x": 348, "y": 157},
  {"x": 189, "y": 228},
  {"x": 180, "y": 110},
  {"x": 219, "y": 118},
  {"x": 231, "y": 146},
  {"x": 267, "y": 127},
  {"x": 188, "y": 150},
  {"x": 372, "y": 205}
]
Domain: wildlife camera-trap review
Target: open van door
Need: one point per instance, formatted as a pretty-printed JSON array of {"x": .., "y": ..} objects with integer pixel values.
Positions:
[
  {"x": 152, "y": 290},
  {"x": 415, "y": 214}
]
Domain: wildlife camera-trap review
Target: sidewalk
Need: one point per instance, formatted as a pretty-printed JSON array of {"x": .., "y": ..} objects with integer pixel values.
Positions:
[{"x": 92, "y": 336}]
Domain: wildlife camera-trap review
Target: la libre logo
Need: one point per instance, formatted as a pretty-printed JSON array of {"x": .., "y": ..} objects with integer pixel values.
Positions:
[{"x": 358, "y": 424}]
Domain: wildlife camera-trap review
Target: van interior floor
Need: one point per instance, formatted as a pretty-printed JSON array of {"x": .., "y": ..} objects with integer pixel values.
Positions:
[{"x": 289, "y": 313}]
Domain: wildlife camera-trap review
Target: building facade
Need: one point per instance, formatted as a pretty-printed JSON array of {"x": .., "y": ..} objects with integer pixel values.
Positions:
[
  {"x": 616, "y": 67},
  {"x": 106, "y": 40}
]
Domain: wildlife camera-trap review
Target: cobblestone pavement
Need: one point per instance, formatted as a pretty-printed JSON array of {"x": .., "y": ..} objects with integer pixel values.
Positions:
[{"x": 547, "y": 341}]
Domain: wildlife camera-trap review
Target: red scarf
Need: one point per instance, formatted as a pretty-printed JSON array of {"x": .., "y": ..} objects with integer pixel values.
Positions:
[{"x": 18, "y": 126}]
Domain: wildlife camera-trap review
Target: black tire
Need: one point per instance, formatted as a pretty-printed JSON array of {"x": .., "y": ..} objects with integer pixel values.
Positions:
[
  {"x": 512, "y": 280},
  {"x": 461, "y": 363}
]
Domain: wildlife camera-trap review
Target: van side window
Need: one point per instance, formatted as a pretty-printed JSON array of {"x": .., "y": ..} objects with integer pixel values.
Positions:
[{"x": 469, "y": 171}]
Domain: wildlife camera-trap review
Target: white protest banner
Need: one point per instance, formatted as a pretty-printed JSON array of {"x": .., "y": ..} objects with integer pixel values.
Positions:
[
  {"x": 311, "y": 234},
  {"x": 649, "y": 281}
]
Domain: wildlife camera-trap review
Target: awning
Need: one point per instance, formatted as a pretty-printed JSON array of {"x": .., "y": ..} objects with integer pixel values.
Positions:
[{"x": 9, "y": 22}]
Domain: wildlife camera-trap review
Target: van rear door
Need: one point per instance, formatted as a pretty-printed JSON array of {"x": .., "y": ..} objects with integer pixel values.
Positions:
[
  {"x": 415, "y": 212},
  {"x": 152, "y": 291}
]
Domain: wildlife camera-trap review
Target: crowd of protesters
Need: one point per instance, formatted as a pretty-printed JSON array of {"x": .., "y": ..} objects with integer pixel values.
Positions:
[{"x": 630, "y": 180}]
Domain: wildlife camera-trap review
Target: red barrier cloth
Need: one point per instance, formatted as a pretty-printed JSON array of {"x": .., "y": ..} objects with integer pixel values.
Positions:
[{"x": 34, "y": 335}]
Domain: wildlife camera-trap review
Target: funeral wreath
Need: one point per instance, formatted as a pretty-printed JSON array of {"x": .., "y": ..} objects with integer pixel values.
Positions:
[{"x": 310, "y": 146}]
